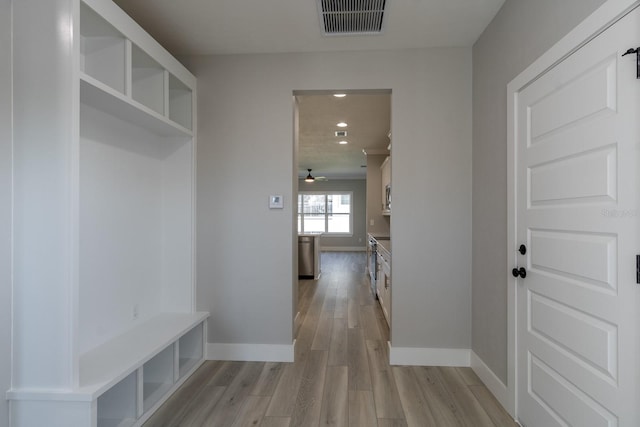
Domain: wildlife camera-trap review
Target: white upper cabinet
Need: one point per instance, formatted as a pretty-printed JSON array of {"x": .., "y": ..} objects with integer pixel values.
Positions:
[{"x": 385, "y": 170}]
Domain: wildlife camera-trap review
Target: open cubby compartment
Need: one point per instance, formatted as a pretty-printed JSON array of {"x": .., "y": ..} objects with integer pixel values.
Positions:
[
  {"x": 121, "y": 223},
  {"x": 117, "y": 407},
  {"x": 102, "y": 50},
  {"x": 180, "y": 103},
  {"x": 190, "y": 350},
  {"x": 147, "y": 80},
  {"x": 157, "y": 377},
  {"x": 135, "y": 226}
]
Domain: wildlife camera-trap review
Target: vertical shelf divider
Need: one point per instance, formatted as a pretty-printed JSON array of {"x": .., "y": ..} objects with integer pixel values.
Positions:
[
  {"x": 128, "y": 61},
  {"x": 176, "y": 361},
  {"x": 167, "y": 112},
  {"x": 140, "y": 392}
]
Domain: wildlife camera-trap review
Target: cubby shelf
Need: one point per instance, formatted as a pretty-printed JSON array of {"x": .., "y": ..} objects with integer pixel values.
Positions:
[
  {"x": 190, "y": 350},
  {"x": 180, "y": 101},
  {"x": 102, "y": 50},
  {"x": 122, "y": 79},
  {"x": 99, "y": 95},
  {"x": 104, "y": 366},
  {"x": 147, "y": 81},
  {"x": 118, "y": 405}
]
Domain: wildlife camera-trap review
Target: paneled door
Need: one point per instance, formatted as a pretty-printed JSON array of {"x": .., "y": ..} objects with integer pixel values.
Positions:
[{"x": 577, "y": 141}]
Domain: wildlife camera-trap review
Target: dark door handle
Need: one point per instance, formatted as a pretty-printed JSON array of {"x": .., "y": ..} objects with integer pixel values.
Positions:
[{"x": 522, "y": 272}]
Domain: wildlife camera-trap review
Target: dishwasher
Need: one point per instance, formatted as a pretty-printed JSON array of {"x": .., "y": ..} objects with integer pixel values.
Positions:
[{"x": 306, "y": 259}]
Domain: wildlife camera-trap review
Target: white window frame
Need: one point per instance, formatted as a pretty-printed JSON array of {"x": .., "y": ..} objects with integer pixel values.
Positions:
[{"x": 326, "y": 213}]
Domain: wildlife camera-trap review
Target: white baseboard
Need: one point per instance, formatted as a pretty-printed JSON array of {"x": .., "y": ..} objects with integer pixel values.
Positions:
[
  {"x": 493, "y": 383},
  {"x": 429, "y": 356},
  {"x": 251, "y": 352},
  {"x": 343, "y": 249}
]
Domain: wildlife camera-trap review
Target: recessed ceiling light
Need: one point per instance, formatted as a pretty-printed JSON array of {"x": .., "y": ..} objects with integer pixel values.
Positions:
[
  {"x": 339, "y": 95},
  {"x": 341, "y": 125},
  {"x": 343, "y": 142}
]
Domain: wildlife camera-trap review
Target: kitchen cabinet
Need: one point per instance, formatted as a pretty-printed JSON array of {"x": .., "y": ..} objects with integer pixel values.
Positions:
[
  {"x": 104, "y": 305},
  {"x": 383, "y": 279},
  {"x": 385, "y": 170}
]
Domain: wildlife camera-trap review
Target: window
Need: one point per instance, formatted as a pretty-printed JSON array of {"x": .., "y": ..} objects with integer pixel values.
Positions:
[{"x": 326, "y": 212}]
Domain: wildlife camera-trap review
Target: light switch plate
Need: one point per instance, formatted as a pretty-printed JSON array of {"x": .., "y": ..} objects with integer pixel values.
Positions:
[{"x": 276, "y": 202}]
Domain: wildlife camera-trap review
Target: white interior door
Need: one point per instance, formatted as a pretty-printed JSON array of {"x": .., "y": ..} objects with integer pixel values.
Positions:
[{"x": 577, "y": 158}]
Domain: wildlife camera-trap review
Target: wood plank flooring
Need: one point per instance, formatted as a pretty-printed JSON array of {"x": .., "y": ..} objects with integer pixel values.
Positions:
[{"x": 341, "y": 375}]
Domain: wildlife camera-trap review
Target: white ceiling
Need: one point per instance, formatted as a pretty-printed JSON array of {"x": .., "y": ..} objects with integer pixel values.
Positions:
[
  {"x": 368, "y": 117},
  {"x": 203, "y": 27},
  {"x": 277, "y": 26}
]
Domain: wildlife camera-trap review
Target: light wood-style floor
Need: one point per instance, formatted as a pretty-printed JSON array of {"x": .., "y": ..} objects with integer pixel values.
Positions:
[{"x": 341, "y": 375}]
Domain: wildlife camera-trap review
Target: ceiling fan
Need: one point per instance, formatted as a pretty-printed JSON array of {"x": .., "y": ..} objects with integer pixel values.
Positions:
[{"x": 311, "y": 178}]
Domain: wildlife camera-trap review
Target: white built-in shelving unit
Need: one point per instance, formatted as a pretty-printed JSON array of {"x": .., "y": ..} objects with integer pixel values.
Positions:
[{"x": 104, "y": 320}]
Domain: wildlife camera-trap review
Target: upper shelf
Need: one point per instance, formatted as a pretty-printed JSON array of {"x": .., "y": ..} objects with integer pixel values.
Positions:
[
  {"x": 126, "y": 75},
  {"x": 98, "y": 95}
]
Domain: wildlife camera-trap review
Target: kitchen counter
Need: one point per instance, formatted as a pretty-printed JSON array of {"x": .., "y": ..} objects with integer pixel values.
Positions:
[
  {"x": 381, "y": 236},
  {"x": 311, "y": 234}
]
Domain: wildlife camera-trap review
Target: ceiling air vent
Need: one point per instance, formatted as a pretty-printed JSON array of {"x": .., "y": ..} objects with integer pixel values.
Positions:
[
  {"x": 341, "y": 133},
  {"x": 351, "y": 17}
]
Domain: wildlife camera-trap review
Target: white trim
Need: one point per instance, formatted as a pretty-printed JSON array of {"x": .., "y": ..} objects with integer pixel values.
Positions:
[
  {"x": 490, "y": 380},
  {"x": 419, "y": 356},
  {"x": 605, "y": 16},
  {"x": 251, "y": 352},
  {"x": 343, "y": 249}
]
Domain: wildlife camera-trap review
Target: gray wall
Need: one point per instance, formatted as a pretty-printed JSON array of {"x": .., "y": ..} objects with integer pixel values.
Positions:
[
  {"x": 5, "y": 207},
  {"x": 358, "y": 186},
  {"x": 521, "y": 32},
  {"x": 245, "y": 150}
]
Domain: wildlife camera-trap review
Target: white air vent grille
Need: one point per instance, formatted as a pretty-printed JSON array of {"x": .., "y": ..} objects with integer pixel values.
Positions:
[
  {"x": 351, "y": 17},
  {"x": 341, "y": 133}
]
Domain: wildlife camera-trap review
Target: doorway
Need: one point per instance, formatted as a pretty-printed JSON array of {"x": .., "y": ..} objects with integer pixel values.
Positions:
[{"x": 335, "y": 187}]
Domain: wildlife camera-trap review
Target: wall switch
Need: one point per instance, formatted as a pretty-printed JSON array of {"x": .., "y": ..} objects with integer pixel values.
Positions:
[{"x": 371, "y": 222}]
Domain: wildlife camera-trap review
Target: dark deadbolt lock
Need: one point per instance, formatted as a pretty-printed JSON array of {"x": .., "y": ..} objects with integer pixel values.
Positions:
[
  {"x": 522, "y": 272},
  {"x": 637, "y": 52},
  {"x": 522, "y": 249}
]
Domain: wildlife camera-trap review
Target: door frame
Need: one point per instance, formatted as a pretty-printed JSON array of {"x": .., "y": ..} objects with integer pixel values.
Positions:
[{"x": 604, "y": 17}]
